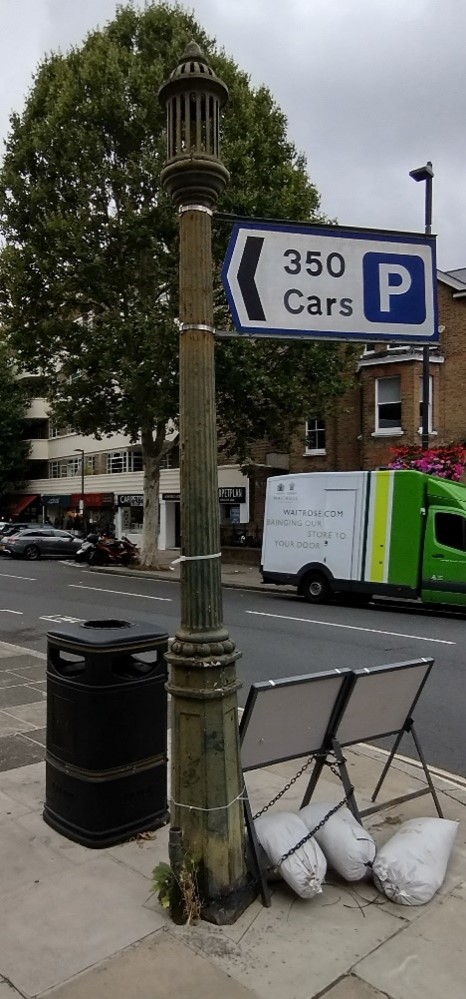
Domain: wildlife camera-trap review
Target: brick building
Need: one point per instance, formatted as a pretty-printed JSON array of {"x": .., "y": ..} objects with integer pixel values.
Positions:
[{"x": 383, "y": 408}]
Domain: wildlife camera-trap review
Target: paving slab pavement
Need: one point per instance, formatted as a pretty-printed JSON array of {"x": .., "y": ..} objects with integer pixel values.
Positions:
[
  {"x": 154, "y": 969},
  {"x": 78, "y": 923}
]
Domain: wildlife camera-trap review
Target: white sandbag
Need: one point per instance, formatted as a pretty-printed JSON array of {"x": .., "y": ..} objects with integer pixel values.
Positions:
[
  {"x": 411, "y": 867},
  {"x": 348, "y": 847},
  {"x": 305, "y": 870}
]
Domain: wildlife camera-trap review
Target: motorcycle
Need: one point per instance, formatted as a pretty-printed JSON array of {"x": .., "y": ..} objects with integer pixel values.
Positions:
[
  {"x": 110, "y": 551},
  {"x": 84, "y": 552}
]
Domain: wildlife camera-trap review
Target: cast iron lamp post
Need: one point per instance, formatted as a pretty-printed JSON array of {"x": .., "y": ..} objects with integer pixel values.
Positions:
[
  {"x": 207, "y": 781},
  {"x": 426, "y": 174}
]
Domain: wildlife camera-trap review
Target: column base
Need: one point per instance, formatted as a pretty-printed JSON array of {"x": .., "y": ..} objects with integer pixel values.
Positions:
[{"x": 226, "y": 910}]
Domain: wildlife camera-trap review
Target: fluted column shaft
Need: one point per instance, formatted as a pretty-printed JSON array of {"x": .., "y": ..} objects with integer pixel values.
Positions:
[{"x": 206, "y": 776}]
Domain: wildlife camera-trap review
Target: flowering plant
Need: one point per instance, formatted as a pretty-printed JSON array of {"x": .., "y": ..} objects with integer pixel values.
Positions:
[{"x": 445, "y": 461}]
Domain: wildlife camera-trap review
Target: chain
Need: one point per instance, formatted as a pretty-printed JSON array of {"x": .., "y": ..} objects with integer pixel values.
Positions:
[
  {"x": 286, "y": 788},
  {"x": 305, "y": 839},
  {"x": 344, "y": 801}
]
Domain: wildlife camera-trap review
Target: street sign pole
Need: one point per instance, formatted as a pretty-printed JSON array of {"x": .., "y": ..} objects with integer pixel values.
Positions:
[
  {"x": 425, "y": 174},
  {"x": 207, "y": 784}
]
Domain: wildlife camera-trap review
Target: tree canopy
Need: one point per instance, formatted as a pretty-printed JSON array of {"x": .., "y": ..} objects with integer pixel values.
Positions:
[
  {"x": 14, "y": 449},
  {"x": 89, "y": 283}
]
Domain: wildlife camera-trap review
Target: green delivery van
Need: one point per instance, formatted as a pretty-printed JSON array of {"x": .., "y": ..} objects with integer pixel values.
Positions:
[{"x": 390, "y": 533}]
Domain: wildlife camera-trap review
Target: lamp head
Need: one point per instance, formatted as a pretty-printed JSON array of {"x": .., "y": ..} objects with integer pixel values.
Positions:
[{"x": 422, "y": 173}]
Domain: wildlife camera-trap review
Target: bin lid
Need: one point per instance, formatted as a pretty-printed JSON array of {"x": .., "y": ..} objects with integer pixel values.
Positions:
[{"x": 105, "y": 634}]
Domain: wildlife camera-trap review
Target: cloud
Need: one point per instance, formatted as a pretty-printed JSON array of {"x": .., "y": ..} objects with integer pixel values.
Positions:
[{"x": 371, "y": 89}]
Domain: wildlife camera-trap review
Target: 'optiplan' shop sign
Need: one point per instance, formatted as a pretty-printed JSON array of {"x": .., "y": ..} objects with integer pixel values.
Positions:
[{"x": 328, "y": 283}]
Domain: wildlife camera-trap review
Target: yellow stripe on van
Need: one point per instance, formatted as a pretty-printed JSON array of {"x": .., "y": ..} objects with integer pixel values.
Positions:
[{"x": 381, "y": 502}]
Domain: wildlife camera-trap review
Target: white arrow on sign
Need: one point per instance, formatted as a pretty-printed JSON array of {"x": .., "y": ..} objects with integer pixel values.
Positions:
[{"x": 324, "y": 282}]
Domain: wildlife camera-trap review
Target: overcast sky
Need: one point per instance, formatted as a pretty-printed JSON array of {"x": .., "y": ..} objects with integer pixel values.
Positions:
[{"x": 371, "y": 89}]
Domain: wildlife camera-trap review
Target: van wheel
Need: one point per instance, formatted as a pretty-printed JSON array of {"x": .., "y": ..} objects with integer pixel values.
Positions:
[{"x": 316, "y": 589}]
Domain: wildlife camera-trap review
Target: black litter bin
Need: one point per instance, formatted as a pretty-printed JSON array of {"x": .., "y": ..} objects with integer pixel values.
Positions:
[{"x": 106, "y": 758}]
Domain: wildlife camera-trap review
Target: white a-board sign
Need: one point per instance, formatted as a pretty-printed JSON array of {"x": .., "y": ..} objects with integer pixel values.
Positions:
[
  {"x": 288, "y": 718},
  {"x": 380, "y": 701},
  {"x": 317, "y": 714}
]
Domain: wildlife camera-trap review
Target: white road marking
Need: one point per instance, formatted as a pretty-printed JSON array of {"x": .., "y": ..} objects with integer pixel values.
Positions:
[
  {"x": 9, "y": 575},
  {"x": 122, "y": 593},
  {"x": 3, "y": 610},
  {"x": 352, "y": 627},
  {"x": 61, "y": 619}
]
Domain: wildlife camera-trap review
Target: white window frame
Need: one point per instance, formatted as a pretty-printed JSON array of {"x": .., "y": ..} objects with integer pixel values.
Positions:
[
  {"x": 60, "y": 432},
  {"x": 313, "y": 429},
  {"x": 117, "y": 456},
  {"x": 74, "y": 466},
  {"x": 132, "y": 462},
  {"x": 386, "y": 431},
  {"x": 58, "y": 470}
]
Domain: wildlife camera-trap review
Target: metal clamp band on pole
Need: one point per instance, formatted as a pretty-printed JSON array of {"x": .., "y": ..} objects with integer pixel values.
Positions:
[
  {"x": 195, "y": 208},
  {"x": 204, "y": 327}
]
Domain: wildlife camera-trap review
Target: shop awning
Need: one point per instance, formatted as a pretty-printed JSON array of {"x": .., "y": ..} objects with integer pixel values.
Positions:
[{"x": 19, "y": 503}]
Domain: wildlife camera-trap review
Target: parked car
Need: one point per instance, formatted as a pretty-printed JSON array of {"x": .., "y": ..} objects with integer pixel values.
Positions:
[
  {"x": 7, "y": 527},
  {"x": 35, "y": 542}
]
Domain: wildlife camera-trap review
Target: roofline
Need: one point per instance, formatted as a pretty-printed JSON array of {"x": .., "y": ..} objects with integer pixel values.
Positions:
[{"x": 452, "y": 282}]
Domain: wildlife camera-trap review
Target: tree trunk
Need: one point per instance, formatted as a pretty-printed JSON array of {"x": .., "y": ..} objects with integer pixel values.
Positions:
[{"x": 151, "y": 453}]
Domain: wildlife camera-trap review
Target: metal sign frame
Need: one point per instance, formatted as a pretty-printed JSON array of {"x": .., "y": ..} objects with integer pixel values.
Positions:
[
  {"x": 352, "y": 682},
  {"x": 405, "y": 726},
  {"x": 268, "y": 690}
]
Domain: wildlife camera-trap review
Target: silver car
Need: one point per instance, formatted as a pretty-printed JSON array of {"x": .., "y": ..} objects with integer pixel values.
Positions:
[{"x": 42, "y": 540}]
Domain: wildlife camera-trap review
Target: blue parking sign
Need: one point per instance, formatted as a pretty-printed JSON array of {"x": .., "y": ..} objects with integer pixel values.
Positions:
[
  {"x": 287, "y": 279},
  {"x": 394, "y": 288}
]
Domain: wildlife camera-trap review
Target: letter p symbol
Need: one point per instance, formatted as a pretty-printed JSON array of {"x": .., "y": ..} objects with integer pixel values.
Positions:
[
  {"x": 393, "y": 280},
  {"x": 394, "y": 288}
]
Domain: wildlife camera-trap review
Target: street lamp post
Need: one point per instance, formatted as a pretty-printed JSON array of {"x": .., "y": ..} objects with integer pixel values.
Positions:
[
  {"x": 80, "y": 451},
  {"x": 425, "y": 174},
  {"x": 206, "y": 790}
]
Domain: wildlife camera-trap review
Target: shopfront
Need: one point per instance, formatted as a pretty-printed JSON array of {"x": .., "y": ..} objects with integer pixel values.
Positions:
[
  {"x": 65, "y": 510},
  {"x": 25, "y": 507},
  {"x": 99, "y": 509},
  {"x": 234, "y": 511},
  {"x": 129, "y": 516},
  {"x": 57, "y": 509}
]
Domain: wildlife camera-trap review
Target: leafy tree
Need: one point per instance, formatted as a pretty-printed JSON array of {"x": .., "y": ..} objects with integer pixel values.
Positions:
[
  {"x": 14, "y": 451},
  {"x": 89, "y": 269}
]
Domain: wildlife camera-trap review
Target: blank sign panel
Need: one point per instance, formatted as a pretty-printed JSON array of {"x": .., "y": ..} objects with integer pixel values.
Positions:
[
  {"x": 381, "y": 700},
  {"x": 288, "y": 718}
]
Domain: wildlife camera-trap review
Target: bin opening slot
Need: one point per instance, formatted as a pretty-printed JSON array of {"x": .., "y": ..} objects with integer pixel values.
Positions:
[
  {"x": 68, "y": 664},
  {"x": 106, "y": 623},
  {"x": 137, "y": 666}
]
